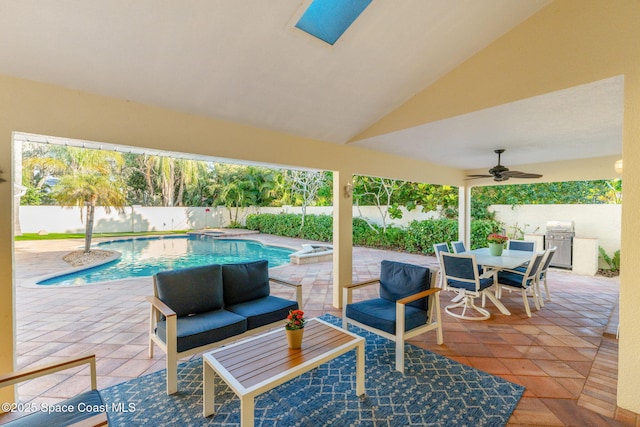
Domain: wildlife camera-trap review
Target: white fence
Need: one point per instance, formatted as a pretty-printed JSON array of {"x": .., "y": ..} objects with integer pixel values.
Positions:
[{"x": 591, "y": 221}]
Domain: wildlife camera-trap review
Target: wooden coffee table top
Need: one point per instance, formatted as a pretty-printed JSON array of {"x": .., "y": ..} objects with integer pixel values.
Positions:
[{"x": 264, "y": 357}]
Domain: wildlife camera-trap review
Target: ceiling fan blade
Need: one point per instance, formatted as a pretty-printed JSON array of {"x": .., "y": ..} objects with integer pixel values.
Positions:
[
  {"x": 518, "y": 174},
  {"x": 478, "y": 176}
]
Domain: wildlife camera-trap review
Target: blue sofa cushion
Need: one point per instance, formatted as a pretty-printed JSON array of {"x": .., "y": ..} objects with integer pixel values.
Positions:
[
  {"x": 399, "y": 280},
  {"x": 245, "y": 281},
  {"x": 203, "y": 329},
  {"x": 191, "y": 290},
  {"x": 263, "y": 310},
  {"x": 90, "y": 400},
  {"x": 380, "y": 313},
  {"x": 484, "y": 284}
]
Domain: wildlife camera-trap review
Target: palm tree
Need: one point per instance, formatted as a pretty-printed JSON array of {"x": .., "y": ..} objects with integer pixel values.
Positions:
[
  {"x": 236, "y": 186},
  {"x": 94, "y": 181},
  {"x": 89, "y": 191}
]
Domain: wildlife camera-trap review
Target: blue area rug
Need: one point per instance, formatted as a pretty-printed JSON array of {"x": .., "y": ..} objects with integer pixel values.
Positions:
[{"x": 434, "y": 391}]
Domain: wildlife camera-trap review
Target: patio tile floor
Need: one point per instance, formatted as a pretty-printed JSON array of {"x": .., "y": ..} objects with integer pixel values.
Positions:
[{"x": 562, "y": 354}]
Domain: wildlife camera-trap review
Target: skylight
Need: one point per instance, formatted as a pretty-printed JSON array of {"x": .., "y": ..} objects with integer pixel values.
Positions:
[{"x": 329, "y": 19}]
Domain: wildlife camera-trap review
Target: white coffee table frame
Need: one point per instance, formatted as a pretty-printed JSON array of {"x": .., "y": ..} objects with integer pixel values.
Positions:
[{"x": 322, "y": 345}]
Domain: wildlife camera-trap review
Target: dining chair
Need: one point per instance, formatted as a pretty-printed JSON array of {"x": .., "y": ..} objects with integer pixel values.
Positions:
[
  {"x": 460, "y": 272},
  {"x": 526, "y": 282},
  {"x": 438, "y": 248},
  {"x": 458, "y": 247},
  {"x": 408, "y": 305},
  {"x": 543, "y": 273},
  {"x": 521, "y": 245}
]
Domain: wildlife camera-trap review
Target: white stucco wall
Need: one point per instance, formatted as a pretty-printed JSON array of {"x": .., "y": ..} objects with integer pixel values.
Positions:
[
  {"x": 55, "y": 219},
  {"x": 591, "y": 221}
]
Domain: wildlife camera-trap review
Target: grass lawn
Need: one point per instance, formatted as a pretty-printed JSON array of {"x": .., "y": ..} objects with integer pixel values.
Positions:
[{"x": 55, "y": 236}]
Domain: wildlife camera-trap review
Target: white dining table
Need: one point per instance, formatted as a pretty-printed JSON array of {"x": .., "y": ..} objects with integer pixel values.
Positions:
[{"x": 509, "y": 259}]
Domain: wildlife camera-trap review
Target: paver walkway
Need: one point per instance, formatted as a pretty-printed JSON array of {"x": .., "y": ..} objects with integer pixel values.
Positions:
[{"x": 560, "y": 354}]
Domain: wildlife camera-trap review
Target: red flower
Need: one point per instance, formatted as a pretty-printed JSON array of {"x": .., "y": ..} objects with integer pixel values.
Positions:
[{"x": 295, "y": 319}]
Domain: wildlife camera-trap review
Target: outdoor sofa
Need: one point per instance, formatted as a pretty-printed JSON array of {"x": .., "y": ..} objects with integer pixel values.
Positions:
[{"x": 200, "y": 308}]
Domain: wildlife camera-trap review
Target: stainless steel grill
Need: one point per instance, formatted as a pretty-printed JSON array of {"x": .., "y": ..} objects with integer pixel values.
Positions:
[{"x": 560, "y": 234}]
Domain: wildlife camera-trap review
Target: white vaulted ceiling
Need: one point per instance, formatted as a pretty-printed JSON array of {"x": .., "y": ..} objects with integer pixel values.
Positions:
[{"x": 243, "y": 61}]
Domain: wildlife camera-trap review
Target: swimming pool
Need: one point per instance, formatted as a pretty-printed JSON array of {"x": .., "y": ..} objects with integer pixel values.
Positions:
[{"x": 147, "y": 256}]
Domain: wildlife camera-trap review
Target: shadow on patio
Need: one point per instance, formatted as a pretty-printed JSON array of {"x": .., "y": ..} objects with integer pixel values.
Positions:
[{"x": 563, "y": 354}]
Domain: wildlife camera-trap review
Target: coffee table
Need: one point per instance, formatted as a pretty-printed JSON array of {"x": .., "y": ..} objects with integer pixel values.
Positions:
[{"x": 259, "y": 364}]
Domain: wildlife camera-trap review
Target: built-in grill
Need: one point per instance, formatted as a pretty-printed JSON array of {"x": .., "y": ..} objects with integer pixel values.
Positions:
[{"x": 560, "y": 234}]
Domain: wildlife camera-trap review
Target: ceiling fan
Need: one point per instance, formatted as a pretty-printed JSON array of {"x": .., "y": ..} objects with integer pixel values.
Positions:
[{"x": 502, "y": 173}]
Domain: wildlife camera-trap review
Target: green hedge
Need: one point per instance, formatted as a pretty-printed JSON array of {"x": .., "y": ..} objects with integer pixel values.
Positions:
[{"x": 419, "y": 237}]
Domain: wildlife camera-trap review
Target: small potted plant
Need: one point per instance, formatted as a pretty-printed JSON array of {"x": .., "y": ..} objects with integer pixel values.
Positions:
[
  {"x": 496, "y": 243},
  {"x": 295, "y": 328}
]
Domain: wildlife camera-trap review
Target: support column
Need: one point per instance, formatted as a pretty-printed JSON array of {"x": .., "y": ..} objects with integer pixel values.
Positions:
[
  {"x": 629, "y": 343},
  {"x": 464, "y": 215},
  {"x": 342, "y": 233},
  {"x": 7, "y": 298}
]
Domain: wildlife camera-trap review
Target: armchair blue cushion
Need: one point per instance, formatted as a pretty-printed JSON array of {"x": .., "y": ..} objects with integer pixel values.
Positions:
[
  {"x": 399, "y": 280},
  {"x": 192, "y": 290},
  {"x": 380, "y": 314},
  {"x": 408, "y": 306},
  {"x": 245, "y": 281}
]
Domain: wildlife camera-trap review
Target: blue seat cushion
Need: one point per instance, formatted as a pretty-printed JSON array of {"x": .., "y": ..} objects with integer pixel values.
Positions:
[
  {"x": 524, "y": 270},
  {"x": 380, "y": 313},
  {"x": 484, "y": 284},
  {"x": 511, "y": 279},
  {"x": 192, "y": 290},
  {"x": 205, "y": 328},
  {"x": 245, "y": 281},
  {"x": 263, "y": 311},
  {"x": 90, "y": 400},
  {"x": 399, "y": 280}
]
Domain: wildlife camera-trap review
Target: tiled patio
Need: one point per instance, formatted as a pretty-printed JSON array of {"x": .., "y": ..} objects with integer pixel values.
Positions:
[{"x": 564, "y": 354}]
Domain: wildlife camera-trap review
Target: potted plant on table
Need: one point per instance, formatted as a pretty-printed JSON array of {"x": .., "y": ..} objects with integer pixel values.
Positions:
[
  {"x": 496, "y": 243},
  {"x": 295, "y": 328}
]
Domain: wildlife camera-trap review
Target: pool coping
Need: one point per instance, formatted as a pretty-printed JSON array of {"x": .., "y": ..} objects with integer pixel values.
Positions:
[{"x": 34, "y": 281}]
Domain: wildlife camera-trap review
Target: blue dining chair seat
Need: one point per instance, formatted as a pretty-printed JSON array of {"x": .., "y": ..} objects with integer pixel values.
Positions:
[
  {"x": 484, "y": 284},
  {"x": 513, "y": 279}
]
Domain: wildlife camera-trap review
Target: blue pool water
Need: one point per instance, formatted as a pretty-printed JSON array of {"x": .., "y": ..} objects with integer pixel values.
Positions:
[{"x": 147, "y": 256}]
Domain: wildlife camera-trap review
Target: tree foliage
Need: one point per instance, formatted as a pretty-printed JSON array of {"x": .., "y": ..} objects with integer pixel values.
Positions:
[
  {"x": 388, "y": 196},
  {"x": 92, "y": 179},
  {"x": 570, "y": 192},
  {"x": 164, "y": 181},
  {"x": 305, "y": 186}
]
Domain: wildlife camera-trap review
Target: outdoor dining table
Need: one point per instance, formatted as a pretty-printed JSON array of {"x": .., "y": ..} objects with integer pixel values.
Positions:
[{"x": 509, "y": 259}]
